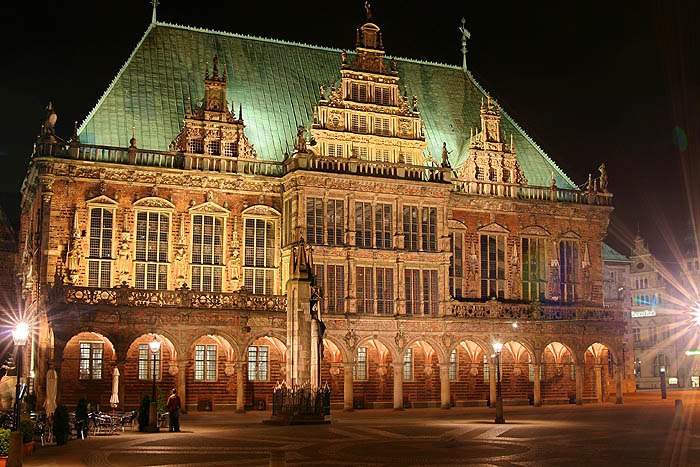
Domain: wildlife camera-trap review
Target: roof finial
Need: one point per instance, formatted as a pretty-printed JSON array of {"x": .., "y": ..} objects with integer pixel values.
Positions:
[
  {"x": 240, "y": 112},
  {"x": 225, "y": 75},
  {"x": 368, "y": 11},
  {"x": 465, "y": 35},
  {"x": 155, "y": 4}
]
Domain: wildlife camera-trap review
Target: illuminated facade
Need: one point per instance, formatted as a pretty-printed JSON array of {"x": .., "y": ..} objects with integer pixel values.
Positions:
[{"x": 437, "y": 228}]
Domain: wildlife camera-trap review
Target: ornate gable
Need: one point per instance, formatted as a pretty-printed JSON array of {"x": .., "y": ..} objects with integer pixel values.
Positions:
[
  {"x": 209, "y": 207},
  {"x": 570, "y": 234},
  {"x": 493, "y": 227},
  {"x": 154, "y": 202},
  {"x": 261, "y": 210},
  {"x": 535, "y": 230},
  {"x": 102, "y": 200}
]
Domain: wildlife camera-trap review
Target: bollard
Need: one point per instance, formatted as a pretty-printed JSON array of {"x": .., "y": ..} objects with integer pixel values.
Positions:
[{"x": 277, "y": 458}]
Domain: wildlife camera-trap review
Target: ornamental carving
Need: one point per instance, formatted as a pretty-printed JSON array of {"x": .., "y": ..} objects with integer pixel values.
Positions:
[
  {"x": 235, "y": 262},
  {"x": 74, "y": 260},
  {"x": 124, "y": 259},
  {"x": 350, "y": 339}
]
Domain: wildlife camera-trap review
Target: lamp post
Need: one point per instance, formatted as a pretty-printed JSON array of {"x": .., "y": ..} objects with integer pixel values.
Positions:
[
  {"x": 19, "y": 336},
  {"x": 153, "y": 414},
  {"x": 497, "y": 347}
]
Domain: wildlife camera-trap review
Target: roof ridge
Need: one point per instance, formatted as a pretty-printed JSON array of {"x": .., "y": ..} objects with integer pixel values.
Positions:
[
  {"x": 302, "y": 44},
  {"x": 524, "y": 134},
  {"x": 116, "y": 78}
]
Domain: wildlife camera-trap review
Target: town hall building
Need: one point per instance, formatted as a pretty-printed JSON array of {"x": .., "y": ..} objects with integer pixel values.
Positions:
[{"x": 435, "y": 228}]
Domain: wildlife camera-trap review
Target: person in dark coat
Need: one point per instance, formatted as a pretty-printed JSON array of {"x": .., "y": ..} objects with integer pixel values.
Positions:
[{"x": 174, "y": 404}]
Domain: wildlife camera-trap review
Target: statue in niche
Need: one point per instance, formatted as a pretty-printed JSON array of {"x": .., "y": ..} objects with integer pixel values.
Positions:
[
  {"x": 180, "y": 266},
  {"x": 74, "y": 258},
  {"x": 235, "y": 262},
  {"x": 124, "y": 259}
]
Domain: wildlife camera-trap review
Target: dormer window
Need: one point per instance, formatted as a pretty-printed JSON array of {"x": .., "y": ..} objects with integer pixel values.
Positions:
[
  {"x": 359, "y": 92},
  {"x": 231, "y": 149},
  {"x": 213, "y": 148},
  {"x": 382, "y": 95},
  {"x": 196, "y": 146}
]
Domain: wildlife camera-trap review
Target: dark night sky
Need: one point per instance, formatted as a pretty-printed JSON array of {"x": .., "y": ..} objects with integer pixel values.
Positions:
[{"x": 589, "y": 81}]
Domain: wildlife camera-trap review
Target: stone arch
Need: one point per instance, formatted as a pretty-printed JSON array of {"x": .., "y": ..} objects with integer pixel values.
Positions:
[
  {"x": 598, "y": 373},
  {"x": 226, "y": 339},
  {"x": 61, "y": 339},
  {"x": 280, "y": 336},
  {"x": 166, "y": 337},
  {"x": 591, "y": 342},
  {"x": 485, "y": 348},
  {"x": 558, "y": 373},
  {"x": 344, "y": 352},
  {"x": 552, "y": 346},
  {"x": 469, "y": 374},
  {"x": 437, "y": 347},
  {"x": 392, "y": 349}
]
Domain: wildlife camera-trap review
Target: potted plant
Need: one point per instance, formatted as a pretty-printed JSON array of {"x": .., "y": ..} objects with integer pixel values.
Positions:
[
  {"x": 143, "y": 412},
  {"x": 4, "y": 445},
  {"x": 61, "y": 424},
  {"x": 81, "y": 417},
  {"x": 26, "y": 426}
]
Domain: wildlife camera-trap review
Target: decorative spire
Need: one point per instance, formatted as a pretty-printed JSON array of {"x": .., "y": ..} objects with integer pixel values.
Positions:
[
  {"x": 240, "y": 112},
  {"x": 155, "y": 4},
  {"x": 512, "y": 148},
  {"x": 225, "y": 74},
  {"x": 465, "y": 35}
]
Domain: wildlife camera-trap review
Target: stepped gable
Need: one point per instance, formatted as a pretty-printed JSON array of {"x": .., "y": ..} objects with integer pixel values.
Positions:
[{"x": 277, "y": 83}]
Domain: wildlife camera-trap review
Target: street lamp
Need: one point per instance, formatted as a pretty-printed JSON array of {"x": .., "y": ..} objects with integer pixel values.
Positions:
[
  {"x": 19, "y": 336},
  {"x": 153, "y": 416},
  {"x": 497, "y": 347}
]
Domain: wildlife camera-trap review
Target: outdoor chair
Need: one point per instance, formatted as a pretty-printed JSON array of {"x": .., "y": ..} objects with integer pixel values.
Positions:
[
  {"x": 100, "y": 423},
  {"x": 163, "y": 419},
  {"x": 42, "y": 428},
  {"x": 129, "y": 420}
]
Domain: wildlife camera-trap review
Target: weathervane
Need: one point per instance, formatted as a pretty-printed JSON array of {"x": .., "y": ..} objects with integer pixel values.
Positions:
[{"x": 465, "y": 35}]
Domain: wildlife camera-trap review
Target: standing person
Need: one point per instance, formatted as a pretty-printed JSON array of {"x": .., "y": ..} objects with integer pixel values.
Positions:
[{"x": 173, "y": 406}]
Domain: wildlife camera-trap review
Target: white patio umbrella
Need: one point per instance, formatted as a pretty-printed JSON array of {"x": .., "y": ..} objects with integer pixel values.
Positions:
[
  {"x": 114, "y": 400},
  {"x": 51, "y": 389}
]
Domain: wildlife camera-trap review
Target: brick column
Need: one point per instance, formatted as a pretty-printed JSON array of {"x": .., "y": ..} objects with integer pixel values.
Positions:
[
  {"x": 444, "y": 385},
  {"x": 347, "y": 387},
  {"x": 240, "y": 387},
  {"x": 579, "y": 384},
  {"x": 537, "y": 386},
  {"x": 181, "y": 383},
  {"x": 398, "y": 386}
]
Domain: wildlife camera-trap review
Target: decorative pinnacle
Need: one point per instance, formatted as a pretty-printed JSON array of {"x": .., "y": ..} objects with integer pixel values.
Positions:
[
  {"x": 155, "y": 4},
  {"x": 465, "y": 35}
]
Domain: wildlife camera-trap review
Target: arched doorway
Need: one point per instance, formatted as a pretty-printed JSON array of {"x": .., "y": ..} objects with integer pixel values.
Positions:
[
  {"x": 469, "y": 374},
  {"x": 558, "y": 374},
  {"x": 211, "y": 373},
  {"x": 598, "y": 372},
  {"x": 89, "y": 360}
]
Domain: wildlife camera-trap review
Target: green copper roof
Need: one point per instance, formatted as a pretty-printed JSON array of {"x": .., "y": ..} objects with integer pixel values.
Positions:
[
  {"x": 278, "y": 84},
  {"x": 609, "y": 254}
]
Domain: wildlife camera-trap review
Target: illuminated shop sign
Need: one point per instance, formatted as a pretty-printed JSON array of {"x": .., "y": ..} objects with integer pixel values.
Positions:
[
  {"x": 673, "y": 381},
  {"x": 643, "y": 314}
]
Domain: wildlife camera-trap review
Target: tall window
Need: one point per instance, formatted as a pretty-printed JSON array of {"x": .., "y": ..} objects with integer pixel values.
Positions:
[
  {"x": 382, "y": 95},
  {"x": 91, "y": 360},
  {"x": 456, "y": 264},
  {"x": 100, "y": 260},
  {"x": 359, "y": 370},
  {"x": 214, "y": 148},
  {"x": 335, "y": 288},
  {"x": 410, "y": 227},
  {"x": 493, "y": 266},
  {"x": 196, "y": 146},
  {"x": 568, "y": 270},
  {"x": 365, "y": 290},
  {"x": 205, "y": 362},
  {"x": 534, "y": 279},
  {"x": 334, "y": 212},
  {"x": 652, "y": 334},
  {"x": 335, "y": 150},
  {"x": 314, "y": 221},
  {"x": 487, "y": 370},
  {"x": 430, "y": 292},
  {"x": 258, "y": 363},
  {"x": 359, "y": 92},
  {"x": 382, "y": 225},
  {"x": 363, "y": 224},
  {"x": 453, "y": 365},
  {"x": 151, "y": 259},
  {"x": 429, "y": 229},
  {"x": 231, "y": 149},
  {"x": 385, "y": 291},
  {"x": 259, "y": 257},
  {"x": 358, "y": 123},
  {"x": 408, "y": 365},
  {"x": 146, "y": 362},
  {"x": 207, "y": 253},
  {"x": 412, "y": 284},
  {"x": 636, "y": 334}
]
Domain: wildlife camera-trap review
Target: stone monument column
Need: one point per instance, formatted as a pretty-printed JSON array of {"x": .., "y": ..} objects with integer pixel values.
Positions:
[
  {"x": 299, "y": 322},
  {"x": 347, "y": 387}
]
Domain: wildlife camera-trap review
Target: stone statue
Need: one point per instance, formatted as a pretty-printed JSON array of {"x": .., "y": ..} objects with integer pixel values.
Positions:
[
  {"x": 180, "y": 266},
  {"x": 344, "y": 56},
  {"x": 28, "y": 262},
  {"x": 393, "y": 64},
  {"x": 445, "y": 154},
  {"x": 323, "y": 92},
  {"x": 124, "y": 259},
  {"x": 300, "y": 143},
  {"x": 235, "y": 262},
  {"x": 415, "y": 103},
  {"x": 368, "y": 10},
  {"x": 75, "y": 253},
  {"x": 603, "y": 178}
]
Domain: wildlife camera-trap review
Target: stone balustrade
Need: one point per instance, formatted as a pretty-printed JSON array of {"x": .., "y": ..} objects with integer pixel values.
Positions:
[
  {"x": 534, "y": 193},
  {"x": 129, "y": 297},
  {"x": 532, "y": 311}
]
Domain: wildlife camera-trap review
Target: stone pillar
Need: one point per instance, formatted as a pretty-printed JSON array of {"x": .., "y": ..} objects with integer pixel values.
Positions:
[
  {"x": 444, "y": 385},
  {"x": 536, "y": 386},
  {"x": 599, "y": 383},
  {"x": 181, "y": 383},
  {"x": 618, "y": 384},
  {"x": 579, "y": 384},
  {"x": 398, "y": 386},
  {"x": 347, "y": 387},
  {"x": 492, "y": 381},
  {"x": 240, "y": 387}
]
